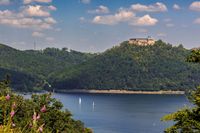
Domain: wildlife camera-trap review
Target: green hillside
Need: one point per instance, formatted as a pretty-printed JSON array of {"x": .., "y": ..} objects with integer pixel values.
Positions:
[
  {"x": 38, "y": 64},
  {"x": 127, "y": 66},
  {"x": 157, "y": 67},
  {"x": 19, "y": 80}
]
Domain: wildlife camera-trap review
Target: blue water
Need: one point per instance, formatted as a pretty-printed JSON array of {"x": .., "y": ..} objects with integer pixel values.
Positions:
[{"x": 122, "y": 113}]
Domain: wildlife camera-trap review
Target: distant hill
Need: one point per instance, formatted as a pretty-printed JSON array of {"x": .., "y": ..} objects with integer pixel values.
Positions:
[
  {"x": 39, "y": 64},
  {"x": 127, "y": 66},
  {"x": 157, "y": 67}
]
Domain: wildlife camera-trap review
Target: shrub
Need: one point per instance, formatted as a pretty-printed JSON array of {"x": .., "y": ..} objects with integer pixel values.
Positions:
[{"x": 40, "y": 113}]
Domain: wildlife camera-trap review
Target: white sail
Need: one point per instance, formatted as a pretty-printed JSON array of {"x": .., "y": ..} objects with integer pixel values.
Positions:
[{"x": 79, "y": 100}]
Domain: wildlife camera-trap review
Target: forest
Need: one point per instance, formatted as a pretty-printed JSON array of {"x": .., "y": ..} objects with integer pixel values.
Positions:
[{"x": 161, "y": 66}]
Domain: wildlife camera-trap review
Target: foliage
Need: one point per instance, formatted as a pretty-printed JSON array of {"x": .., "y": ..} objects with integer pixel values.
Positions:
[
  {"x": 195, "y": 56},
  {"x": 39, "y": 113},
  {"x": 187, "y": 120},
  {"x": 32, "y": 68},
  {"x": 20, "y": 80},
  {"x": 157, "y": 67}
]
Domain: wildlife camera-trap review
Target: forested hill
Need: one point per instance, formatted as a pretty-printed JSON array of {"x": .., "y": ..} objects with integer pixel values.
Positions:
[
  {"x": 125, "y": 66},
  {"x": 38, "y": 65},
  {"x": 157, "y": 67}
]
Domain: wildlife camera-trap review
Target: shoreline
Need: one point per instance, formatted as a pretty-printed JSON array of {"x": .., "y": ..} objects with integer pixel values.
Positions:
[{"x": 122, "y": 92}]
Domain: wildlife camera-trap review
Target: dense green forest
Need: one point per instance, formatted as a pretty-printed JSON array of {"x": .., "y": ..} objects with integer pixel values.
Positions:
[
  {"x": 158, "y": 67},
  {"x": 31, "y": 69}
]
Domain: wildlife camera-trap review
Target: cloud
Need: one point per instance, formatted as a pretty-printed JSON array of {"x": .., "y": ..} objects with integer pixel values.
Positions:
[
  {"x": 38, "y": 34},
  {"x": 39, "y": 1},
  {"x": 121, "y": 16},
  {"x": 195, "y": 6},
  {"x": 100, "y": 9},
  {"x": 85, "y": 1},
  {"x": 146, "y": 20},
  {"x": 50, "y": 20},
  {"x": 197, "y": 21},
  {"x": 125, "y": 16},
  {"x": 176, "y": 7},
  {"x": 82, "y": 19},
  {"x": 4, "y": 2},
  {"x": 19, "y": 20},
  {"x": 35, "y": 17},
  {"x": 157, "y": 7},
  {"x": 52, "y": 8},
  {"x": 36, "y": 11}
]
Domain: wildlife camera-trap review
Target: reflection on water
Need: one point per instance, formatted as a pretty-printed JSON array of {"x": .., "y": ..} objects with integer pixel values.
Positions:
[{"x": 107, "y": 113}]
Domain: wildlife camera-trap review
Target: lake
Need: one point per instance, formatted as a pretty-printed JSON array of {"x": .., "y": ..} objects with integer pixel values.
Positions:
[{"x": 109, "y": 113}]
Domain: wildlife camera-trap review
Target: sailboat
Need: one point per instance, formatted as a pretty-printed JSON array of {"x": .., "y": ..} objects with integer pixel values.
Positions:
[
  {"x": 93, "y": 105},
  {"x": 79, "y": 101}
]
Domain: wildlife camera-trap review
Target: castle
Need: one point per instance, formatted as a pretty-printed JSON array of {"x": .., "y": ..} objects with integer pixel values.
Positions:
[{"x": 142, "y": 41}]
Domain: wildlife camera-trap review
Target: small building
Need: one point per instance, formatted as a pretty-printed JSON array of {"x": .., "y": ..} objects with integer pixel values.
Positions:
[{"x": 142, "y": 41}]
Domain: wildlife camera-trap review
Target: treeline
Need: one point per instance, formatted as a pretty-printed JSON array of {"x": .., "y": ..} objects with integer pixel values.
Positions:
[{"x": 157, "y": 67}]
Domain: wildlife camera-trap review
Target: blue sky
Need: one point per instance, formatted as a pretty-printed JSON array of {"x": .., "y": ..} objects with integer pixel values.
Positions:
[{"x": 96, "y": 25}]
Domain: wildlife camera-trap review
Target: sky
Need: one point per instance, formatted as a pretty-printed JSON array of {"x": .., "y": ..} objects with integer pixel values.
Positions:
[{"x": 96, "y": 25}]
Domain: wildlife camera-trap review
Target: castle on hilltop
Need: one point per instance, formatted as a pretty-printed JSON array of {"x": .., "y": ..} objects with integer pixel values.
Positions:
[{"x": 142, "y": 41}]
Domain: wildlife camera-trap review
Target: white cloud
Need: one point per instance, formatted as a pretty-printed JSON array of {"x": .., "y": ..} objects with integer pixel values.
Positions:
[
  {"x": 38, "y": 34},
  {"x": 121, "y": 16},
  {"x": 36, "y": 11},
  {"x": 52, "y": 8},
  {"x": 157, "y": 7},
  {"x": 50, "y": 20},
  {"x": 197, "y": 21},
  {"x": 85, "y": 1},
  {"x": 125, "y": 16},
  {"x": 146, "y": 20},
  {"x": 83, "y": 19},
  {"x": 5, "y": 13},
  {"x": 176, "y": 7},
  {"x": 21, "y": 21},
  {"x": 4, "y": 2},
  {"x": 39, "y": 1},
  {"x": 35, "y": 17},
  {"x": 195, "y": 6},
  {"x": 100, "y": 9}
]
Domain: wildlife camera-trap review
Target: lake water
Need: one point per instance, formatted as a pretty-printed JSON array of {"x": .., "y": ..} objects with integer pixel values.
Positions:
[{"x": 122, "y": 113}]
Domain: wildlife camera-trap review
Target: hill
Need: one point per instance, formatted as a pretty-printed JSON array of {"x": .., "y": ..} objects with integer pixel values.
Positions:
[
  {"x": 133, "y": 67},
  {"x": 126, "y": 66},
  {"x": 37, "y": 64}
]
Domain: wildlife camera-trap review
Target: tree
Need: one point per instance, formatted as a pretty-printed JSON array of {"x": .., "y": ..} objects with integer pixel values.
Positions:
[
  {"x": 40, "y": 112},
  {"x": 187, "y": 120}
]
